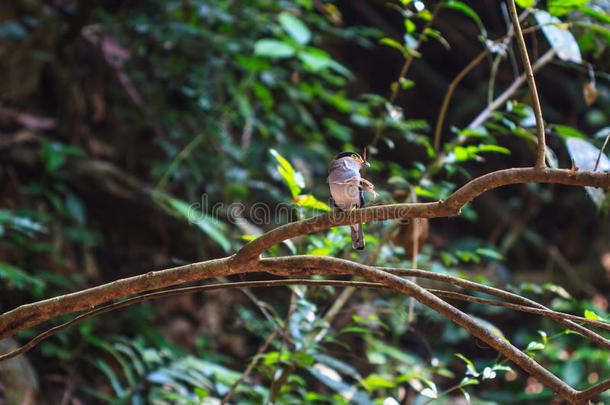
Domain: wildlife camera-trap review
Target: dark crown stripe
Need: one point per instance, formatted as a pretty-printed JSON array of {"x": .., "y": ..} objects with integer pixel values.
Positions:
[{"x": 346, "y": 154}]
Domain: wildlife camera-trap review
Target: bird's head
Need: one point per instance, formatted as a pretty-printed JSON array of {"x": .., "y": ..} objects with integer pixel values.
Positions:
[{"x": 355, "y": 156}]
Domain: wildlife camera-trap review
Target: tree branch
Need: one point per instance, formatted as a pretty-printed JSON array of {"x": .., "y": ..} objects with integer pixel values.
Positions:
[
  {"x": 32, "y": 314},
  {"x": 525, "y": 59},
  {"x": 311, "y": 265},
  {"x": 443, "y": 208},
  {"x": 287, "y": 266},
  {"x": 247, "y": 260},
  {"x": 522, "y": 308}
]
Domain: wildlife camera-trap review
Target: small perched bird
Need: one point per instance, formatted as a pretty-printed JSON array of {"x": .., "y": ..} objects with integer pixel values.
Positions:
[{"x": 344, "y": 181}]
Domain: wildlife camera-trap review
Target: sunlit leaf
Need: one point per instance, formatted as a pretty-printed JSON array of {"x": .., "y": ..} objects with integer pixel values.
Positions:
[
  {"x": 585, "y": 156},
  {"x": 375, "y": 381},
  {"x": 293, "y": 179},
  {"x": 560, "y": 38},
  {"x": 533, "y": 345},
  {"x": 309, "y": 201},
  {"x": 488, "y": 374},
  {"x": 525, "y": 3},
  {"x": 562, "y": 7},
  {"x": 592, "y": 315},
  {"x": 393, "y": 44},
  {"x": 490, "y": 253},
  {"x": 273, "y": 48},
  {"x": 295, "y": 28},
  {"x": 470, "y": 368},
  {"x": 322, "y": 251}
]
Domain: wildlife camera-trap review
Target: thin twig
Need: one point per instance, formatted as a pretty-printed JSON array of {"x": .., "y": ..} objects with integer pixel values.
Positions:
[
  {"x": 176, "y": 291},
  {"x": 405, "y": 69},
  {"x": 492, "y": 77},
  {"x": 600, "y": 152},
  {"x": 449, "y": 93},
  {"x": 506, "y": 94},
  {"x": 529, "y": 72},
  {"x": 522, "y": 308},
  {"x": 453, "y": 85}
]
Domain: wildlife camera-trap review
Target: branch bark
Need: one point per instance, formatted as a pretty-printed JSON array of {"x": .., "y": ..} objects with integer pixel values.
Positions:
[
  {"x": 247, "y": 259},
  {"x": 287, "y": 266},
  {"x": 29, "y": 315},
  {"x": 443, "y": 208}
]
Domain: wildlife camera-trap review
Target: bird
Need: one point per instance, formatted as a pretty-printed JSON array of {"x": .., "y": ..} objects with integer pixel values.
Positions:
[{"x": 344, "y": 182}]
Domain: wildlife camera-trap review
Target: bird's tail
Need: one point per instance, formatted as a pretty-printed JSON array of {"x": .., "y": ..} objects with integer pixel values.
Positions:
[{"x": 357, "y": 236}]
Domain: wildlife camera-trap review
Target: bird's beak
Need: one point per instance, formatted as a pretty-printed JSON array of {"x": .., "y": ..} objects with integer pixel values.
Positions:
[{"x": 365, "y": 164}]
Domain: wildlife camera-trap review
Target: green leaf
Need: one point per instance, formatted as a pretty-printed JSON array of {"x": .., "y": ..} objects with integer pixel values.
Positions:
[
  {"x": 470, "y": 368},
  {"x": 559, "y": 37},
  {"x": 18, "y": 278},
  {"x": 600, "y": 15},
  {"x": 321, "y": 251},
  {"x": 55, "y": 154},
  {"x": 464, "y": 8},
  {"x": 543, "y": 335},
  {"x": 494, "y": 148},
  {"x": 564, "y": 131},
  {"x": 393, "y": 44},
  {"x": 533, "y": 345},
  {"x": 293, "y": 179},
  {"x": 525, "y": 3},
  {"x": 295, "y": 28},
  {"x": 309, "y": 201},
  {"x": 315, "y": 59},
  {"x": 585, "y": 155},
  {"x": 409, "y": 26},
  {"x": 273, "y": 48},
  {"x": 592, "y": 315},
  {"x": 602, "y": 133},
  {"x": 466, "y": 381},
  {"x": 375, "y": 381},
  {"x": 490, "y": 253},
  {"x": 562, "y": 7},
  {"x": 209, "y": 225}
]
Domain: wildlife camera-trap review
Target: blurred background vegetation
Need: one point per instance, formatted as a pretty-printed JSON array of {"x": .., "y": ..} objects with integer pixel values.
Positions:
[{"x": 122, "y": 123}]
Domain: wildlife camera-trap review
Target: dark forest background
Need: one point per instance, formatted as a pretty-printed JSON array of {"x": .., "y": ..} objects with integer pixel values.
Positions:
[{"x": 122, "y": 123}]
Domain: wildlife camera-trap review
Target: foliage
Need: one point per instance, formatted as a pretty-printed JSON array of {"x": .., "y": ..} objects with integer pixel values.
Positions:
[{"x": 202, "y": 111}]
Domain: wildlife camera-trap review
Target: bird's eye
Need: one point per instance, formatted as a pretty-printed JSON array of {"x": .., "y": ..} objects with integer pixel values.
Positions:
[{"x": 355, "y": 157}]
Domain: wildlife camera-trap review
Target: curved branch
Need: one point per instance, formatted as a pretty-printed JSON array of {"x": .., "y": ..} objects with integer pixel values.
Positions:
[
  {"x": 29, "y": 315},
  {"x": 286, "y": 266},
  {"x": 310, "y": 265},
  {"x": 32, "y": 314},
  {"x": 247, "y": 260},
  {"x": 177, "y": 291},
  {"x": 450, "y": 206},
  {"x": 522, "y": 308}
]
